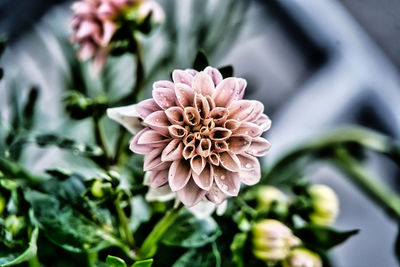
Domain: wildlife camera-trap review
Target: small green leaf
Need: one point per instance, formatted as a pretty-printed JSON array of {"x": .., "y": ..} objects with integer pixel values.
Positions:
[
  {"x": 143, "y": 263},
  {"x": 237, "y": 248},
  {"x": 28, "y": 254},
  {"x": 226, "y": 71},
  {"x": 204, "y": 257},
  {"x": 113, "y": 261},
  {"x": 322, "y": 237},
  {"x": 201, "y": 61},
  {"x": 190, "y": 232}
]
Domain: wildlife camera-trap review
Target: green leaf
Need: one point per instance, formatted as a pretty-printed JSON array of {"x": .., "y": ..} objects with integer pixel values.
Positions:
[
  {"x": 201, "y": 61},
  {"x": 237, "y": 248},
  {"x": 113, "y": 261},
  {"x": 226, "y": 71},
  {"x": 322, "y": 237},
  {"x": 141, "y": 211},
  {"x": 204, "y": 257},
  {"x": 143, "y": 263},
  {"x": 28, "y": 254},
  {"x": 68, "y": 228},
  {"x": 190, "y": 232}
]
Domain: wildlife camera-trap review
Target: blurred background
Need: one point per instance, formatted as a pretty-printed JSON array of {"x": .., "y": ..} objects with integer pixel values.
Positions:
[{"x": 316, "y": 65}]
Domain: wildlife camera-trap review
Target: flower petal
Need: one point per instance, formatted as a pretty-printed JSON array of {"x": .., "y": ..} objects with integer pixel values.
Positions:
[
  {"x": 239, "y": 143},
  {"x": 219, "y": 133},
  {"x": 220, "y": 146},
  {"x": 191, "y": 194},
  {"x": 191, "y": 116},
  {"x": 225, "y": 92},
  {"x": 179, "y": 174},
  {"x": 159, "y": 178},
  {"x": 152, "y": 160},
  {"x": 177, "y": 131},
  {"x": 175, "y": 115},
  {"x": 164, "y": 84},
  {"x": 202, "y": 105},
  {"x": 146, "y": 107},
  {"x": 227, "y": 181},
  {"x": 197, "y": 164},
  {"x": 192, "y": 72},
  {"x": 203, "y": 84},
  {"x": 215, "y": 75},
  {"x": 215, "y": 195},
  {"x": 250, "y": 129},
  {"x": 181, "y": 76},
  {"x": 162, "y": 193},
  {"x": 242, "y": 83},
  {"x": 204, "y": 147},
  {"x": 219, "y": 115},
  {"x": 164, "y": 97},
  {"x": 184, "y": 95},
  {"x": 259, "y": 147},
  {"x": 158, "y": 121},
  {"x": 241, "y": 109},
  {"x": 257, "y": 111},
  {"x": 151, "y": 137},
  {"x": 250, "y": 172},
  {"x": 264, "y": 122},
  {"x": 173, "y": 151},
  {"x": 205, "y": 179},
  {"x": 127, "y": 116},
  {"x": 137, "y": 148},
  {"x": 232, "y": 124},
  {"x": 230, "y": 161},
  {"x": 214, "y": 159}
]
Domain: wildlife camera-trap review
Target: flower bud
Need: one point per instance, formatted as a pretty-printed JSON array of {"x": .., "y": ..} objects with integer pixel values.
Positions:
[
  {"x": 301, "y": 257},
  {"x": 97, "y": 189},
  {"x": 325, "y": 205},
  {"x": 267, "y": 195},
  {"x": 14, "y": 224},
  {"x": 272, "y": 240}
]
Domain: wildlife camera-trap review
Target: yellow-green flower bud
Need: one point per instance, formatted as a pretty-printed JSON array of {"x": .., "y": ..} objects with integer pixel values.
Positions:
[
  {"x": 266, "y": 195},
  {"x": 2, "y": 204},
  {"x": 97, "y": 189},
  {"x": 325, "y": 205},
  {"x": 272, "y": 240},
  {"x": 14, "y": 224},
  {"x": 301, "y": 257}
]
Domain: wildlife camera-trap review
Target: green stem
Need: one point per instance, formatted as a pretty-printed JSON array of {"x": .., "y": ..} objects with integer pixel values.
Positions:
[
  {"x": 149, "y": 246},
  {"x": 124, "y": 223},
  {"x": 360, "y": 176},
  {"x": 121, "y": 145},
  {"x": 100, "y": 138},
  {"x": 92, "y": 258}
]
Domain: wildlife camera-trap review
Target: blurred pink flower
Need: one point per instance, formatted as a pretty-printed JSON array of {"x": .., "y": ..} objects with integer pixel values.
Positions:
[{"x": 201, "y": 139}]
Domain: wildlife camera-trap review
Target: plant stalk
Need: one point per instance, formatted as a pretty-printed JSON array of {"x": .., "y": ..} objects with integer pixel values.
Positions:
[
  {"x": 124, "y": 223},
  {"x": 100, "y": 138}
]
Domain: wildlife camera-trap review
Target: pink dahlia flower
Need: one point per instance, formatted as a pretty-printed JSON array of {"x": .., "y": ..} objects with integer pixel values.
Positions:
[{"x": 200, "y": 138}]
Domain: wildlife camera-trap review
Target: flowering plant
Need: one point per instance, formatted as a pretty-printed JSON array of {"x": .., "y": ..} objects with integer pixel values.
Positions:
[{"x": 176, "y": 179}]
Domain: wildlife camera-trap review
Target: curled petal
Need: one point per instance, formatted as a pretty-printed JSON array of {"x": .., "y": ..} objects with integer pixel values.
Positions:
[
  {"x": 232, "y": 124},
  {"x": 191, "y": 72},
  {"x": 259, "y": 147},
  {"x": 203, "y": 84},
  {"x": 158, "y": 121},
  {"x": 219, "y": 115},
  {"x": 153, "y": 160},
  {"x": 257, "y": 111},
  {"x": 230, "y": 161},
  {"x": 205, "y": 179},
  {"x": 137, "y": 148},
  {"x": 189, "y": 139},
  {"x": 239, "y": 143},
  {"x": 211, "y": 102},
  {"x": 219, "y": 133},
  {"x": 189, "y": 150},
  {"x": 177, "y": 131},
  {"x": 197, "y": 163},
  {"x": 179, "y": 174},
  {"x": 250, "y": 129},
  {"x": 175, "y": 115},
  {"x": 127, "y": 116},
  {"x": 227, "y": 181},
  {"x": 146, "y": 107},
  {"x": 173, "y": 151},
  {"x": 191, "y": 116},
  {"x": 209, "y": 123},
  {"x": 220, "y": 146},
  {"x": 225, "y": 92},
  {"x": 151, "y": 137},
  {"x": 164, "y": 84},
  {"x": 214, "y": 159},
  {"x": 109, "y": 29},
  {"x": 250, "y": 172},
  {"x": 159, "y": 178},
  {"x": 181, "y": 76},
  {"x": 204, "y": 147},
  {"x": 215, "y": 75},
  {"x": 202, "y": 105},
  {"x": 264, "y": 122},
  {"x": 164, "y": 97},
  {"x": 191, "y": 194},
  {"x": 184, "y": 95},
  {"x": 215, "y": 195},
  {"x": 242, "y": 83},
  {"x": 240, "y": 110}
]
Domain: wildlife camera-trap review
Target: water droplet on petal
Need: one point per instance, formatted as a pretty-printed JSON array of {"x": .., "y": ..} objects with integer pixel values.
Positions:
[
  {"x": 223, "y": 177},
  {"x": 248, "y": 166}
]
